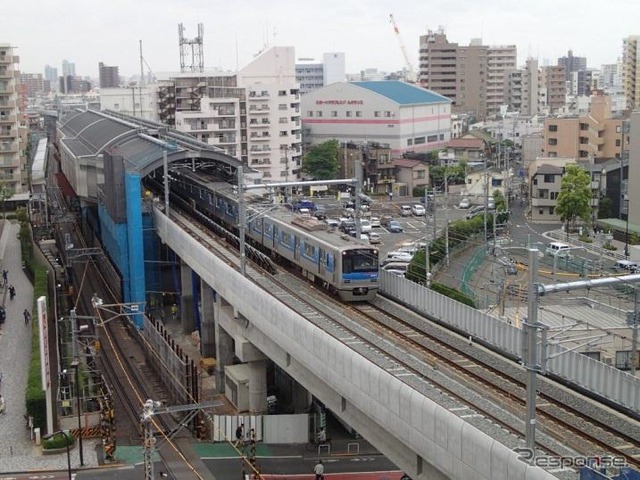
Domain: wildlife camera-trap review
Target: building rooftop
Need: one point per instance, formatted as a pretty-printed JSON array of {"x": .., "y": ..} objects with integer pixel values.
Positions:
[
  {"x": 546, "y": 169},
  {"x": 406, "y": 162},
  {"x": 466, "y": 143},
  {"x": 403, "y": 93}
]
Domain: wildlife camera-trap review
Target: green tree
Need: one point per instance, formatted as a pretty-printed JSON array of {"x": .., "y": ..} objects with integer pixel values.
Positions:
[
  {"x": 499, "y": 200},
  {"x": 321, "y": 162},
  {"x": 605, "y": 207},
  {"x": 575, "y": 196}
]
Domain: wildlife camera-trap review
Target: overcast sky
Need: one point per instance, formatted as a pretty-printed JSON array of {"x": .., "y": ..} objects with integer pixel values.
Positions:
[{"x": 89, "y": 31}]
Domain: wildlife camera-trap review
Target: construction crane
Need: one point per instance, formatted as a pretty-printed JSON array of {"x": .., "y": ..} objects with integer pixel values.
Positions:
[{"x": 411, "y": 74}]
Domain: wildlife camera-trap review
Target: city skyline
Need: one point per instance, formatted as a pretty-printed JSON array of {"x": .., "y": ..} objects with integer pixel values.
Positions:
[{"x": 111, "y": 32}]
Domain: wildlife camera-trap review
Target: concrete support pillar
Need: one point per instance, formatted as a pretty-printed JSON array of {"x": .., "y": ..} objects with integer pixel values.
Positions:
[
  {"x": 186, "y": 299},
  {"x": 224, "y": 345},
  {"x": 258, "y": 386},
  {"x": 207, "y": 326}
]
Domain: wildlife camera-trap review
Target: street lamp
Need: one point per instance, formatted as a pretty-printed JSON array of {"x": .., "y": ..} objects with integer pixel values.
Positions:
[
  {"x": 76, "y": 366},
  {"x": 66, "y": 442}
]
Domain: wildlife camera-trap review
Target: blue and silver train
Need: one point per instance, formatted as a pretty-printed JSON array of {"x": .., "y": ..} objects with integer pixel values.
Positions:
[{"x": 337, "y": 263}]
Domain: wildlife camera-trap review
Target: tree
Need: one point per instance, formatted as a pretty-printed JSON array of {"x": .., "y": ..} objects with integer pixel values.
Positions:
[
  {"x": 499, "y": 200},
  {"x": 574, "y": 198},
  {"x": 605, "y": 207},
  {"x": 321, "y": 162}
]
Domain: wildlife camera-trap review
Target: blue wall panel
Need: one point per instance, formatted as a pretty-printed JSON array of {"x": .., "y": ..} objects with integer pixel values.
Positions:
[{"x": 136, "y": 292}]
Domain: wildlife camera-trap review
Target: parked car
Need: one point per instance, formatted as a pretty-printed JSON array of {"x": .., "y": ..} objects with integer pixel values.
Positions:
[
  {"x": 397, "y": 256},
  {"x": 418, "y": 210},
  {"x": 491, "y": 203},
  {"x": 464, "y": 203},
  {"x": 365, "y": 226},
  {"x": 332, "y": 222},
  {"x": 558, "y": 249},
  {"x": 375, "y": 238},
  {"x": 405, "y": 210},
  {"x": 626, "y": 266},
  {"x": 394, "y": 226},
  {"x": 375, "y": 222}
]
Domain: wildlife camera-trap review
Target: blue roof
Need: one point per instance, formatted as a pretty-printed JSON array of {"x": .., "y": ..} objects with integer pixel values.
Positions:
[{"x": 403, "y": 93}]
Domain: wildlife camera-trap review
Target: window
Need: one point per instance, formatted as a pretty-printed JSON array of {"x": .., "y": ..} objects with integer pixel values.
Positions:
[
  {"x": 282, "y": 93},
  {"x": 409, "y": 142},
  {"x": 349, "y": 113},
  {"x": 283, "y": 133},
  {"x": 432, "y": 138},
  {"x": 387, "y": 114},
  {"x": 618, "y": 129},
  {"x": 549, "y": 178},
  {"x": 282, "y": 120},
  {"x": 282, "y": 106},
  {"x": 541, "y": 211},
  {"x": 420, "y": 175},
  {"x": 618, "y": 143},
  {"x": 334, "y": 113},
  {"x": 418, "y": 140},
  {"x": 376, "y": 113},
  {"x": 310, "y": 113},
  {"x": 318, "y": 113},
  {"x": 551, "y": 210},
  {"x": 358, "y": 113},
  {"x": 553, "y": 128},
  {"x": 554, "y": 195},
  {"x": 553, "y": 141}
]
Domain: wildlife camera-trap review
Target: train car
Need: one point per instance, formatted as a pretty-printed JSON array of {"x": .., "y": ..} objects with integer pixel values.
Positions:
[{"x": 337, "y": 263}]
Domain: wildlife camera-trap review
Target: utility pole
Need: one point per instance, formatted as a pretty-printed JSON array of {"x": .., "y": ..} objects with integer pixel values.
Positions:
[
  {"x": 358, "y": 190},
  {"x": 530, "y": 350},
  {"x": 241, "y": 222},
  {"x": 446, "y": 217},
  {"x": 427, "y": 266}
]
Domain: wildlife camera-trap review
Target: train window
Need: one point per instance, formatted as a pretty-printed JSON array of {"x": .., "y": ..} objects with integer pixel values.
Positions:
[
  {"x": 359, "y": 261},
  {"x": 219, "y": 203},
  {"x": 330, "y": 262},
  {"x": 268, "y": 230},
  {"x": 229, "y": 209},
  {"x": 309, "y": 251},
  {"x": 286, "y": 239},
  {"x": 257, "y": 226}
]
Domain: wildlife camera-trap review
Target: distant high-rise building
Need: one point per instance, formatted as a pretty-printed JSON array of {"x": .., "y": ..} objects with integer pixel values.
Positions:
[
  {"x": 68, "y": 69},
  {"x": 611, "y": 75},
  {"x": 34, "y": 84},
  {"x": 584, "y": 82},
  {"x": 12, "y": 141},
  {"x": 109, "y": 76},
  {"x": 631, "y": 71},
  {"x": 572, "y": 64},
  {"x": 474, "y": 77},
  {"x": 51, "y": 74},
  {"x": 552, "y": 79},
  {"x": 312, "y": 75}
]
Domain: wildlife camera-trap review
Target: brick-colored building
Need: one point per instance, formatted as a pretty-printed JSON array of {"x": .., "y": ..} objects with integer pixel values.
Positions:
[{"x": 597, "y": 134}]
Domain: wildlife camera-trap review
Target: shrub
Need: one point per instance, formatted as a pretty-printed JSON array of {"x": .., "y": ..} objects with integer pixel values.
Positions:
[
  {"x": 453, "y": 293},
  {"x": 608, "y": 246},
  {"x": 58, "y": 440}
]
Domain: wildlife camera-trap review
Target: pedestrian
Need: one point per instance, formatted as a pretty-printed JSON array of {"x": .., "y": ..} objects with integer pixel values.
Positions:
[
  {"x": 239, "y": 434},
  {"x": 5, "y": 277},
  {"x": 27, "y": 316},
  {"x": 3, "y": 406},
  {"x": 174, "y": 311},
  {"x": 390, "y": 196},
  {"x": 12, "y": 292},
  {"x": 319, "y": 470}
]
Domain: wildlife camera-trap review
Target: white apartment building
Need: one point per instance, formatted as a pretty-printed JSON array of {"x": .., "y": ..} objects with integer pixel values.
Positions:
[
  {"x": 312, "y": 75},
  {"x": 253, "y": 115},
  {"x": 13, "y": 137},
  {"x": 136, "y": 101},
  {"x": 406, "y": 117}
]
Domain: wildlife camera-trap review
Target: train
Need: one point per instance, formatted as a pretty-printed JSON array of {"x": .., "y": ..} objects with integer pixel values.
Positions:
[{"x": 337, "y": 263}]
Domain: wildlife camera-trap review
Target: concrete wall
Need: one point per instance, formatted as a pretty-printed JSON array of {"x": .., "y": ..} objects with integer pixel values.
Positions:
[{"x": 420, "y": 436}]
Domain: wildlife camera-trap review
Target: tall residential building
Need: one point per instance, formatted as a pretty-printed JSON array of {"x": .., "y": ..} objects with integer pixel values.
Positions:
[
  {"x": 12, "y": 146},
  {"x": 572, "y": 64},
  {"x": 51, "y": 74},
  {"x": 584, "y": 82},
  {"x": 68, "y": 69},
  {"x": 109, "y": 76},
  {"x": 631, "y": 71},
  {"x": 34, "y": 84},
  {"x": 253, "y": 115},
  {"x": 522, "y": 89},
  {"x": 611, "y": 75},
  {"x": 312, "y": 75},
  {"x": 595, "y": 135},
  {"x": 473, "y": 77},
  {"x": 552, "y": 80}
]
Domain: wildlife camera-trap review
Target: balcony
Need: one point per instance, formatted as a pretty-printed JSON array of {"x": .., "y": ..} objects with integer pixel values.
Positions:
[
  {"x": 258, "y": 95},
  {"x": 264, "y": 109},
  {"x": 7, "y": 133},
  {"x": 8, "y": 147},
  {"x": 260, "y": 137},
  {"x": 8, "y": 119},
  {"x": 256, "y": 124}
]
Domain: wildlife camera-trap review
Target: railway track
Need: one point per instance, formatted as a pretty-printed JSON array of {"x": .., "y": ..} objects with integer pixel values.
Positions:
[
  {"x": 131, "y": 381},
  {"x": 397, "y": 339}
]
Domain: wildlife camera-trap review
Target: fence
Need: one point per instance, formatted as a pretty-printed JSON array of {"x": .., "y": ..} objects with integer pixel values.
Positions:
[
  {"x": 269, "y": 429},
  {"x": 597, "y": 377}
]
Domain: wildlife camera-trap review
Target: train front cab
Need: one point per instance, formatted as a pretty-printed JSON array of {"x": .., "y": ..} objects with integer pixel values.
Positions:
[{"x": 359, "y": 274}]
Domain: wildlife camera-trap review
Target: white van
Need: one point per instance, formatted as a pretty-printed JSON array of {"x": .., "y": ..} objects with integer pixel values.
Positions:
[{"x": 558, "y": 249}]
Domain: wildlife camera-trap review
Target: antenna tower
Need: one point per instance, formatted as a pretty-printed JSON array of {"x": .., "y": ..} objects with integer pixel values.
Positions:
[{"x": 193, "y": 46}]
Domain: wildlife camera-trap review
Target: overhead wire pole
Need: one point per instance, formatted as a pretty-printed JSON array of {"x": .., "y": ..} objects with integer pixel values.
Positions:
[{"x": 241, "y": 222}]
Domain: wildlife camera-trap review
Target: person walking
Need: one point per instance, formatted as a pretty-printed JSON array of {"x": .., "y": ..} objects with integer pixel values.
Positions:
[
  {"x": 27, "y": 316},
  {"x": 12, "y": 292},
  {"x": 319, "y": 470},
  {"x": 174, "y": 311},
  {"x": 239, "y": 435},
  {"x": 5, "y": 277},
  {"x": 3, "y": 405}
]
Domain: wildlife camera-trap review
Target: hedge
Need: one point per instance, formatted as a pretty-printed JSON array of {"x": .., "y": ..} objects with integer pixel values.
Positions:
[
  {"x": 34, "y": 396},
  {"x": 59, "y": 440}
]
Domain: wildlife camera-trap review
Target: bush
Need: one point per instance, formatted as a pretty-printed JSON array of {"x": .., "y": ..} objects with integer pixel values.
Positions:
[
  {"x": 59, "y": 440},
  {"x": 453, "y": 293},
  {"x": 608, "y": 246},
  {"x": 586, "y": 239}
]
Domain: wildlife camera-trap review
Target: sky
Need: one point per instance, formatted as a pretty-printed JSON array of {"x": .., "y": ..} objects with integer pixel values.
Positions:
[{"x": 89, "y": 31}]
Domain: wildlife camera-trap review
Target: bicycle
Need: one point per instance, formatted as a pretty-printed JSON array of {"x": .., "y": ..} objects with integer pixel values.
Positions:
[{"x": 313, "y": 445}]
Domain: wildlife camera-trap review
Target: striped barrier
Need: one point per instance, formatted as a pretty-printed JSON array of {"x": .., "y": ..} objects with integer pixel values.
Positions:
[{"x": 87, "y": 432}]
